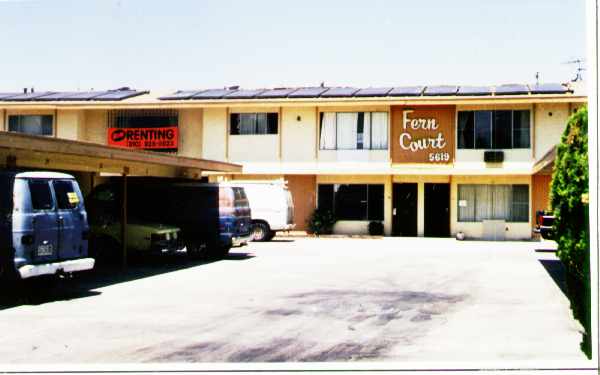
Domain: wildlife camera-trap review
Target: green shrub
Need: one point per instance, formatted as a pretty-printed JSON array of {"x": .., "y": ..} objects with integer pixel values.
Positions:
[
  {"x": 321, "y": 222},
  {"x": 376, "y": 228},
  {"x": 568, "y": 196}
]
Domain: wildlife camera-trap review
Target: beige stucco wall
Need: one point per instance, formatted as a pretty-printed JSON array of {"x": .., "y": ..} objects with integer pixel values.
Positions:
[
  {"x": 69, "y": 124},
  {"x": 253, "y": 148},
  {"x": 3, "y": 125},
  {"x": 298, "y": 137},
  {"x": 190, "y": 133},
  {"x": 549, "y": 128},
  {"x": 513, "y": 231},
  {"x": 214, "y": 137},
  {"x": 95, "y": 127}
]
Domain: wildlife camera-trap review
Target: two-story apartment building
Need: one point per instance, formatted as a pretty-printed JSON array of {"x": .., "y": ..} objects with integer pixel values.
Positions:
[{"x": 425, "y": 161}]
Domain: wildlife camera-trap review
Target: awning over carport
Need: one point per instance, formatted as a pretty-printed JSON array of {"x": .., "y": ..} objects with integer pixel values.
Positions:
[
  {"x": 29, "y": 151},
  {"x": 545, "y": 164}
]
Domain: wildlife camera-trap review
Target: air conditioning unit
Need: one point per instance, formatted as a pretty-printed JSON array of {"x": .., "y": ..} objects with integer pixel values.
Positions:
[{"x": 493, "y": 156}]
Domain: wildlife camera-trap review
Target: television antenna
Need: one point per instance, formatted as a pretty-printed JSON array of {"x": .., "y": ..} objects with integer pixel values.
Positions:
[{"x": 580, "y": 69}]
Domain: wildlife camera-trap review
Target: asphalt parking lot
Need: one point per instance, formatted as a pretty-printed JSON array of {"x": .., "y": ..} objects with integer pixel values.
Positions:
[{"x": 305, "y": 299}]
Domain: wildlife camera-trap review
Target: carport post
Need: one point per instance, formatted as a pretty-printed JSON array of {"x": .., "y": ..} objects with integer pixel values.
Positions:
[{"x": 124, "y": 218}]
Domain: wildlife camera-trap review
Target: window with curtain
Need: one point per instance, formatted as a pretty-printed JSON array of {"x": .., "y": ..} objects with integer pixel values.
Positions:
[
  {"x": 31, "y": 124},
  {"x": 253, "y": 123},
  {"x": 354, "y": 131},
  {"x": 352, "y": 201},
  {"x": 501, "y": 129},
  {"x": 493, "y": 202}
]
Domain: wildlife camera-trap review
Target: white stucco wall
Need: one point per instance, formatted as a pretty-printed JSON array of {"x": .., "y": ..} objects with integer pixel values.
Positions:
[{"x": 253, "y": 148}]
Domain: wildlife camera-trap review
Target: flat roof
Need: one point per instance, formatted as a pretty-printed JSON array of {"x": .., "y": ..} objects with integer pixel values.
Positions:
[{"x": 24, "y": 150}]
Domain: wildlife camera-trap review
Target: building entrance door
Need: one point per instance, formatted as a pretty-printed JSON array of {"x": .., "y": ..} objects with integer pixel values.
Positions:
[
  {"x": 437, "y": 210},
  {"x": 404, "y": 210}
]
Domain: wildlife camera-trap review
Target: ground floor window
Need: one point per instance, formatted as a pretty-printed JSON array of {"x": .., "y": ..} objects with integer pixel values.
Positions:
[
  {"x": 493, "y": 202},
  {"x": 352, "y": 201}
]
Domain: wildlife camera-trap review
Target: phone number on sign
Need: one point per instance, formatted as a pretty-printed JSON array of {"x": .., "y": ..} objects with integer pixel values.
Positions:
[{"x": 439, "y": 156}]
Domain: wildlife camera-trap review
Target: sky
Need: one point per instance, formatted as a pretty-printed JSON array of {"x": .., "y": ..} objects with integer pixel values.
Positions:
[{"x": 179, "y": 44}]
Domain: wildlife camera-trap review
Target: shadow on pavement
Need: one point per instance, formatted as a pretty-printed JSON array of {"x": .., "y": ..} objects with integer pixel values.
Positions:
[
  {"x": 556, "y": 270},
  {"x": 40, "y": 290}
]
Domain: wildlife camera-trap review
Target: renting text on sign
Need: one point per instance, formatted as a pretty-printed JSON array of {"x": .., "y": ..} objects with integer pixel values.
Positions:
[{"x": 143, "y": 138}]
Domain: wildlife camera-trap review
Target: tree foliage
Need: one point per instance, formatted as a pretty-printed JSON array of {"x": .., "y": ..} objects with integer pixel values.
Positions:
[{"x": 568, "y": 196}]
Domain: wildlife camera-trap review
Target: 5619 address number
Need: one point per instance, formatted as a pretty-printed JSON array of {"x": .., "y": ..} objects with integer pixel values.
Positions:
[{"x": 439, "y": 156}]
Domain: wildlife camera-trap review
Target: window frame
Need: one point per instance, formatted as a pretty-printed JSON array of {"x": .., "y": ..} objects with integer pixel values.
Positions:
[
  {"x": 367, "y": 214},
  {"x": 20, "y": 115},
  {"x": 493, "y": 129},
  {"x": 511, "y": 219},
  {"x": 277, "y": 123},
  {"x": 371, "y": 148}
]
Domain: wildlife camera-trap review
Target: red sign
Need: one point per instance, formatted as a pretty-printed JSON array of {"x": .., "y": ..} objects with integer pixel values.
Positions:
[{"x": 143, "y": 138}]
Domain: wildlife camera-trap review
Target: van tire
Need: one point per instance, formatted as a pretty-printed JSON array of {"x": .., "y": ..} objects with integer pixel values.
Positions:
[{"x": 260, "y": 231}]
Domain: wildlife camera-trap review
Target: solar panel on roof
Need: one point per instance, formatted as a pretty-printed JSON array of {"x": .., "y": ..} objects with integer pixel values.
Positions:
[
  {"x": 474, "y": 90},
  {"x": 212, "y": 94},
  {"x": 512, "y": 90},
  {"x": 181, "y": 94},
  {"x": 549, "y": 88},
  {"x": 339, "y": 92},
  {"x": 244, "y": 94},
  {"x": 406, "y": 91},
  {"x": 373, "y": 91},
  {"x": 440, "y": 90},
  {"x": 8, "y": 94},
  {"x": 119, "y": 94},
  {"x": 308, "y": 92},
  {"x": 28, "y": 96},
  {"x": 276, "y": 93},
  {"x": 74, "y": 95}
]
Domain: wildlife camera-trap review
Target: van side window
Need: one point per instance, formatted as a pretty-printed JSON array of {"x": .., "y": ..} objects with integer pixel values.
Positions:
[
  {"x": 66, "y": 197},
  {"x": 41, "y": 198}
]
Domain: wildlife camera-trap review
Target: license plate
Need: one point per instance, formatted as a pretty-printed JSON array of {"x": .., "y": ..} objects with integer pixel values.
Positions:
[{"x": 44, "y": 250}]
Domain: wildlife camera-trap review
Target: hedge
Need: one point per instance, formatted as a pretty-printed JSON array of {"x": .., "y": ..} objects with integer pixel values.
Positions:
[{"x": 568, "y": 195}]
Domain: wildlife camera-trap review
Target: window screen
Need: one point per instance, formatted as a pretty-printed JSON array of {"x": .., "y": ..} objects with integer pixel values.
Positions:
[
  {"x": 66, "y": 197},
  {"x": 521, "y": 129},
  {"x": 493, "y": 202},
  {"x": 466, "y": 129},
  {"x": 31, "y": 124},
  {"x": 352, "y": 201},
  {"x": 502, "y": 129},
  {"x": 41, "y": 197},
  {"x": 253, "y": 123}
]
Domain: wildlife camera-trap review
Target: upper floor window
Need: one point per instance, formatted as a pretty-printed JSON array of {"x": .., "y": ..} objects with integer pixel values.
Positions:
[
  {"x": 31, "y": 124},
  {"x": 503, "y": 129},
  {"x": 354, "y": 131},
  {"x": 253, "y": 123}
]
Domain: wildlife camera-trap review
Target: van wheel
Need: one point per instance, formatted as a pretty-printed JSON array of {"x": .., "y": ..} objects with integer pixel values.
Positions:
[{"x": 260, "y": 231}]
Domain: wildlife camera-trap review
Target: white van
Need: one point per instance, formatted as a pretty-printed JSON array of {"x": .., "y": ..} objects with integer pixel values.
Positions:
[{"x": 271, "y": 206}]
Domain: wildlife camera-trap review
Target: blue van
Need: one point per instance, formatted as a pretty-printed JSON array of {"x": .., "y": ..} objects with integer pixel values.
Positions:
[
  {"x": 212, "y": 217},
  {"x": 43, "y": 225}
]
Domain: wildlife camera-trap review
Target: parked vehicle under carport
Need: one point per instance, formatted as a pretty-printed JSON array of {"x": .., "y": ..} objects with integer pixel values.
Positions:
[
  {"x": 143, "y": 238},
  {"x": 43, "y": 225}
]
